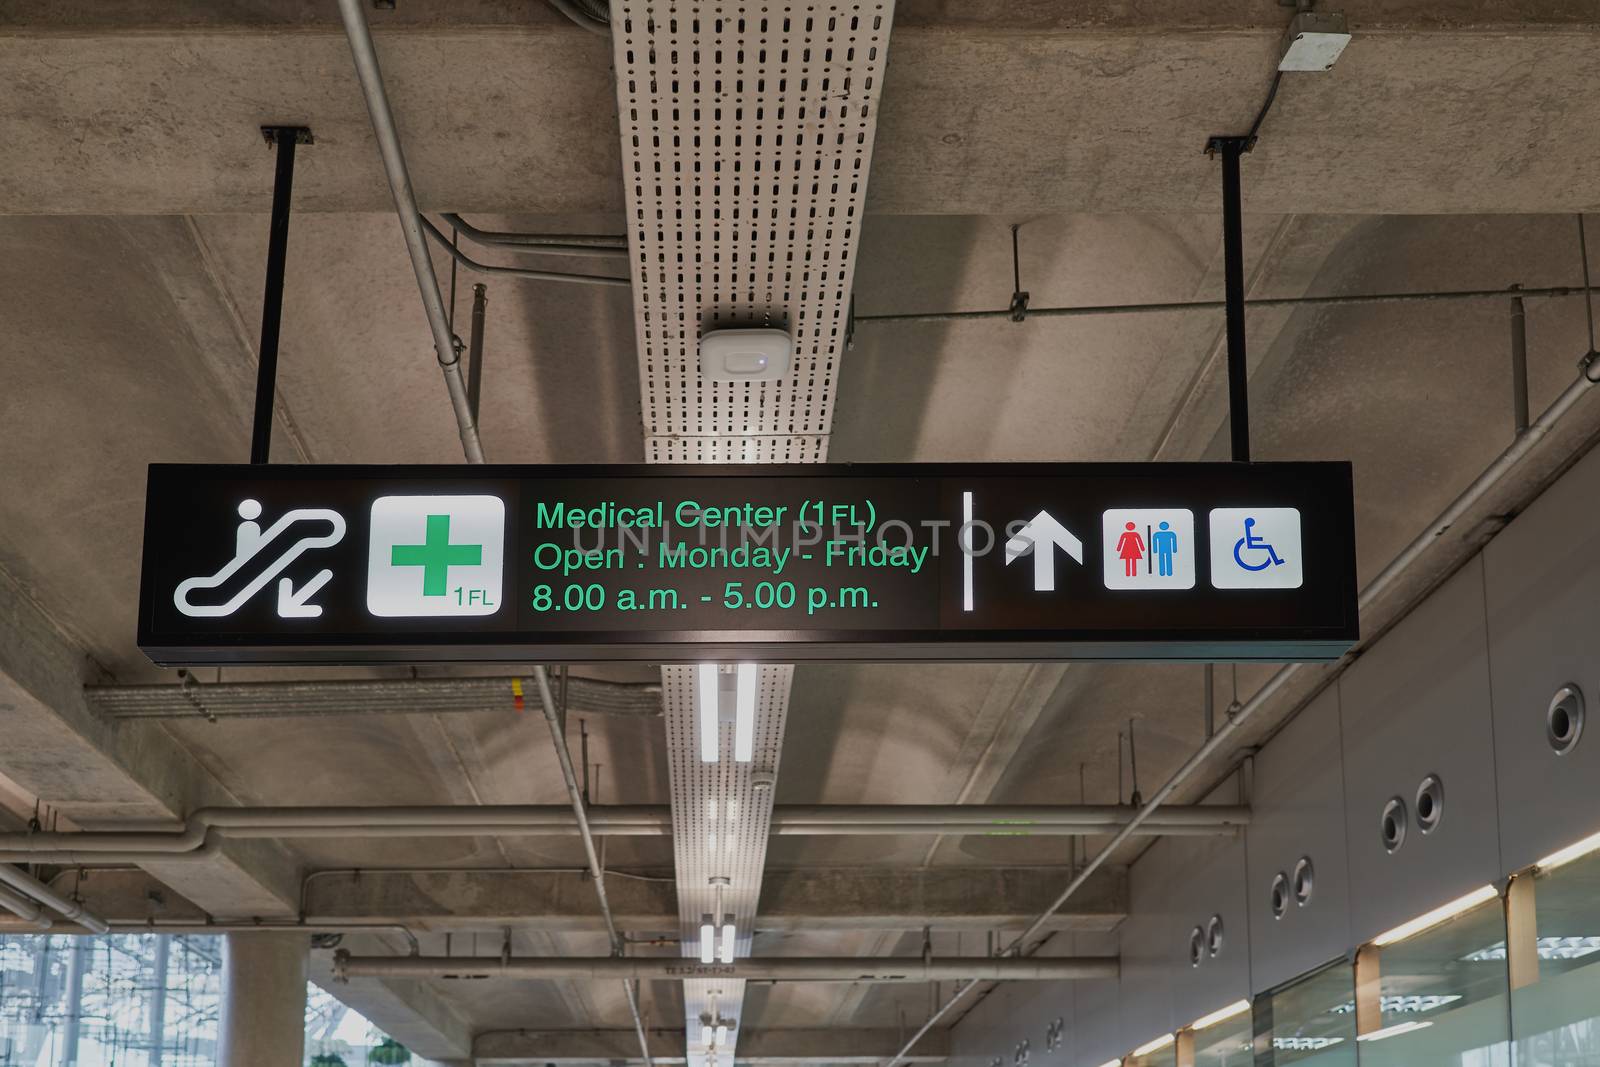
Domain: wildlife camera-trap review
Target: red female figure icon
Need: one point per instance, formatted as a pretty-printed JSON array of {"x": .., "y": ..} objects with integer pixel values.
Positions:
[{"x": 1131, "y": 548}]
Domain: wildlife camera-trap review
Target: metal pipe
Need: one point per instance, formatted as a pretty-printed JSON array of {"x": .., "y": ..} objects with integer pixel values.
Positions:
[
  {"x": 589, "y": 244},
  {"x": 197, "y": 837},
  {"x": 515, "y": 272},
  {"x": 547, "y": 701},
  {"x": 37, "y": 891},
  {"x": 24, "y": 909},
  {"x": 1233, "y": 284},
  {"x": 285, "y": 138},
  {"x": 1375, "y": 589},
  {"x": 772, "y": 969},
  {"x": 419, "y": 696},
  {"x": 1168, "y": 307},
  {"x": 394, "y": 166},
  {"x": 1519, "y": 365}
]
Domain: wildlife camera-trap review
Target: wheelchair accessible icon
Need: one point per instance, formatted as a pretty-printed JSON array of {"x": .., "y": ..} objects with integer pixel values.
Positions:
[{"x": 1256, "y": 548}]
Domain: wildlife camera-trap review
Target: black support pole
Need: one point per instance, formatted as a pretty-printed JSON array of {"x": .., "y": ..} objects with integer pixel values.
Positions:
[
  {"x": 285, "y": 138},
  {"x": 480, "y": 300},
  {"x": 1230, "y": 149}
]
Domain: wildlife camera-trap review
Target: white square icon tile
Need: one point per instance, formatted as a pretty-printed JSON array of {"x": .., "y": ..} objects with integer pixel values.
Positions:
[
  {"x": 1256, "y": 548},
  {"x": 1147, "y": 548},
  {"x": 436, "y": 556}
]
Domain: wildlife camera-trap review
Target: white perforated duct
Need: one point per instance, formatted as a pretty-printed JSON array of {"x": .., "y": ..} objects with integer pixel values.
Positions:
[{"x": 747, "y": 133}]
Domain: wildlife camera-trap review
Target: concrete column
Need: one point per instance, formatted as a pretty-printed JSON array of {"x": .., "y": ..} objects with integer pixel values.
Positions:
[
  {"x": 73, "y": 1026},
  {"x": 159, "y": 972},
  {"x": 263, "y": 1000}
]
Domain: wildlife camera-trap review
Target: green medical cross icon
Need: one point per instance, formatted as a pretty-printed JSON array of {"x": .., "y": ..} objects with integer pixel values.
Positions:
[{"x": 436, "y": 556}]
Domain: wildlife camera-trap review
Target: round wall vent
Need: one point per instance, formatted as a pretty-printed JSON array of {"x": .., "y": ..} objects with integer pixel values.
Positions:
[
  {"x": 1430, "y": 803},
  {"x": 1197, "y": 946},
  {"x": 1304, "y": 881},
  {"x": 1563, "y": 720},
  {"x": 1280, "y": 895},
  {"x": 1214, "y": 936},
  {"x": 1392, "y": 826}
]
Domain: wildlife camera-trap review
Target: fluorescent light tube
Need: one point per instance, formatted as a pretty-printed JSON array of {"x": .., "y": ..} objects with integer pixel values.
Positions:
[
  {"x": 1570, "y": 853},
  {"x": 707, "y": 941},
  {"x": 1395, "y": 1031},
  {"x": 1237, "y": 1008},
  {"x": 710, "y": 739},
  {"x": 744, "y": 722},
  {"x": 727, "y": 943},
  {"x": 1438, "y": 915},
  {"x": 705, "y": 1036},
  {"x": 722, "y": 1035},
  {"x": 1153, "y": 1046}
]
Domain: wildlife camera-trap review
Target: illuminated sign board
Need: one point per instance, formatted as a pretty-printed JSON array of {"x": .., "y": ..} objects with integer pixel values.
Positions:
[{"x": 334, "y": 564}]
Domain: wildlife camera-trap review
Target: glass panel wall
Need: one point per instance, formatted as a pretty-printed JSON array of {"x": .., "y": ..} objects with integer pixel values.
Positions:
[
  {"x": 1445, "y": 997},
  {"x": 1225, "y": 1044},
  {"x": 143, "y": 1000},
  {"x": 1309, "y": 1022},
  {"x": 1556, "y": 1020}
]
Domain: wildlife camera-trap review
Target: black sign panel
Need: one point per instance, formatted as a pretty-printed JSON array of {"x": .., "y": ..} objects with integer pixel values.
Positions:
[{"x": 330, "y": 564}]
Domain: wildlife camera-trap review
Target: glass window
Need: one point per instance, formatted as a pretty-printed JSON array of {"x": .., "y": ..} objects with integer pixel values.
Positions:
[
  {"x": 1226, "y": 1044},
  {"x": 1556, "y": 1020},
  {"x": 127, "y": 1000},
  {"x": 1309, "y": 1022},
  {"x": 1444, "y": 996}
]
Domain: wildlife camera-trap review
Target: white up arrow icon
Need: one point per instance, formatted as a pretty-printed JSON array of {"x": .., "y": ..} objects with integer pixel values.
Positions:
[{"x": 1042, "y": 534}]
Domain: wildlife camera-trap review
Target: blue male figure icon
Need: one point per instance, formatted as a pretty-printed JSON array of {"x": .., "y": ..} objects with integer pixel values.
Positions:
[{"x": 1164, "y": 543}]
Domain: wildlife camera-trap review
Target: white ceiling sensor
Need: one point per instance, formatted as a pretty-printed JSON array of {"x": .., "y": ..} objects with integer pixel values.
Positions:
[
  {"x": 758, "y": 355},
  {"x": 1315, "y": 41}
]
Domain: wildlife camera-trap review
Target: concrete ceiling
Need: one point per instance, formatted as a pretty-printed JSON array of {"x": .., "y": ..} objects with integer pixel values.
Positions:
[{"x": 1447, "y": 151}]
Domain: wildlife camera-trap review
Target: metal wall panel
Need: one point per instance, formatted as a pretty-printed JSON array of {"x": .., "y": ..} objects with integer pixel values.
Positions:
[
  {"x": 1015, "y": 1021},
  {"x": 1145, "y": 990},
  {"x": 1095, "y": 1035},
  {"x": 1298, "y": 811},
  {"x": 1542, "y": 578},
  {"x": 1209, "y": 874},
  {"x": 1417, "y": 704}
]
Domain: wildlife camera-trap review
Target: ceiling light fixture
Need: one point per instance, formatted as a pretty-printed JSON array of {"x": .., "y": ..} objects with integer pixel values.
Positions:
[
  {"x": 728, "y": 939},
  {"x": 1221, "y": 1015},
  {"x": 1395, "y": 1031},
  {"x": 1154, "y": 1046},
  {"x": 722, "y": 1034},
  {"x": 705, "y": 1035},
  {"x": 1443, "y": 913},
  {"x": 1571, "y": 852},
  {"x": 706, "y": 690},
  {"x": 707, "y": 939},
  {"x": 744, "y": 724}
]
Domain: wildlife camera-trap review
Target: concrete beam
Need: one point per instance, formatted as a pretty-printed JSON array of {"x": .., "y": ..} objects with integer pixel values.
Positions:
[
  {"x": 834, "y": 1045},
  {"x": 87, "y": 768},
  {"x": 947, "y": 898},
  {"x": 1139, "y": 88},
  {"x": 413, "y": 1013}
]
